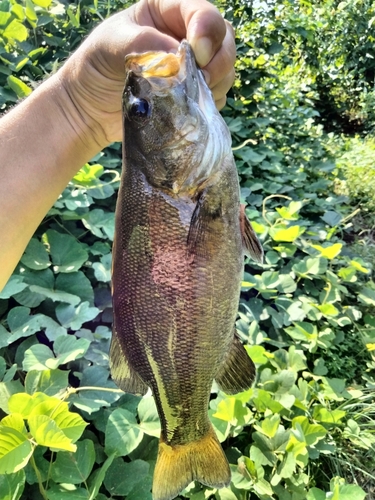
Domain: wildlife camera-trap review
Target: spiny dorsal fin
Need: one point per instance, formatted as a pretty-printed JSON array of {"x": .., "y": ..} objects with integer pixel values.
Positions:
[
  {"x": 250, "y": 241},
  {"x": 237, "y": 373},
  {"x": 125, "y": 377}
]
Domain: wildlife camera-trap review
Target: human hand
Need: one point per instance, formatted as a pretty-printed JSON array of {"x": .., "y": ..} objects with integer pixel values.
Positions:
[{"x": 94, "y": 75}]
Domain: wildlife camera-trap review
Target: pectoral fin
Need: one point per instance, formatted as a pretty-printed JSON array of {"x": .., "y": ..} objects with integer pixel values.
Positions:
[
  {"x": 250, "y": 241},
  {"x": 237, "y": 373},
  {"x": 122, "y": 373},
  {"x": 202, "y": 216}
]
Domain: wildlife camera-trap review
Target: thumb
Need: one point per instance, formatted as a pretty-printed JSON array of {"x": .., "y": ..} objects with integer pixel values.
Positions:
[{"x": 206, "y": 31}]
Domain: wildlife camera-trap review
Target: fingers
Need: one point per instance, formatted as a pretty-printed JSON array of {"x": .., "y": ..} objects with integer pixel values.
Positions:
[
  {"x": 221, "y": 103},
  {"x": 221, "y": 89},
  {"x": 220, "y": 71},
  {"x": 196, "y": 20}
]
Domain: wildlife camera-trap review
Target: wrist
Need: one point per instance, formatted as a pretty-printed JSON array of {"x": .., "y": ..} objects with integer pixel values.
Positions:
[{"x": 85, "y": 136}]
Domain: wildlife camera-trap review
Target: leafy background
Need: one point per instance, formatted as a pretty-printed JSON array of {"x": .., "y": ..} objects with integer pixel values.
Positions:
[{"x": 301, "y": 116}]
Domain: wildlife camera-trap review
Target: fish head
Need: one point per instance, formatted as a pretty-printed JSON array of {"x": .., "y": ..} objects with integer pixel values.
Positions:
[{"x": 172, "y": 127}]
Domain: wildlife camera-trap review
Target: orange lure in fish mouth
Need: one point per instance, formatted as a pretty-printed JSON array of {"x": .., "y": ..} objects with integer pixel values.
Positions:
[{"x": 180, "y": 240}]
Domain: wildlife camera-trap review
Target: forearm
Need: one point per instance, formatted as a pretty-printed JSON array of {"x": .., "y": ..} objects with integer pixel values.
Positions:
[{"x": 42, "y": 145}]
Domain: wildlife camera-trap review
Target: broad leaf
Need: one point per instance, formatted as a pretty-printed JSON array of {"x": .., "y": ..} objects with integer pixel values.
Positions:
[
  {"x": 67, "y": 253},
  {"x": 122, "y": 434},
  {"x": 75, "y": 467},
  {"x": 15, "y": 450},
  {"x": 12, "y": 485},
  {"x": 46, "y": 432}
]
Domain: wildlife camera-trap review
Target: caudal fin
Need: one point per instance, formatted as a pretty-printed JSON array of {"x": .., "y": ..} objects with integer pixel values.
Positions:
[{"x": 178, "y": 465}]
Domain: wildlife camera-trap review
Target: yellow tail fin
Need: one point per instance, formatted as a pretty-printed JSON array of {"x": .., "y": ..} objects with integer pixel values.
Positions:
[{"x": 178, "y": 465}]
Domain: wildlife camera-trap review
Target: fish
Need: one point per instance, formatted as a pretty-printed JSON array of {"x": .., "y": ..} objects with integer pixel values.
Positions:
[{"x": 178, "y": 257}]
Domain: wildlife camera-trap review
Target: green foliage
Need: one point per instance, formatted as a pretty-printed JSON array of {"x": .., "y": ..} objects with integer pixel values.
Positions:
[{"x": 305, "y": 431}]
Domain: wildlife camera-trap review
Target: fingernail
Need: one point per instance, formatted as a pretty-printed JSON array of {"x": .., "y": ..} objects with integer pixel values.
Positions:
[
  {"x": 206, "y": 75},
  {"x": 203, "y": 51}
]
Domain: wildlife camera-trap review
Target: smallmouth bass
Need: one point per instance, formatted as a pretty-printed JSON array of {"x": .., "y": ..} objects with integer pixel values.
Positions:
[{"x": 178, "y": 256}]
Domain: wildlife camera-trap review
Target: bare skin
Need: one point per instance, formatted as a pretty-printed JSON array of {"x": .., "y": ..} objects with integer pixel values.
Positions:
[{"x": 77, "y": 112}]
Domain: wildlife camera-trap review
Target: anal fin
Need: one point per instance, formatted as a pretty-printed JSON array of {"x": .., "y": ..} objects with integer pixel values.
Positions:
[
  {"x": 250, "y": 241},
  {"x": 122, "y": 373},
  {"x": 237, "y": 373}
]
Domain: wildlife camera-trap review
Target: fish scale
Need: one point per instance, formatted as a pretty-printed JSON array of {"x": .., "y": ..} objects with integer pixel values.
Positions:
[{"x": 177, "y": 265}]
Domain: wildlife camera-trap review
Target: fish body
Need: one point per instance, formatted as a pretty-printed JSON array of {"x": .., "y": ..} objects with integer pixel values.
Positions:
[{"x": 178, "y": 263}]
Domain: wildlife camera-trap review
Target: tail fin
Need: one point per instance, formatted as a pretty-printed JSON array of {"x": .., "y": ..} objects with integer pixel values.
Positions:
[{"x": 178, "y": 465}]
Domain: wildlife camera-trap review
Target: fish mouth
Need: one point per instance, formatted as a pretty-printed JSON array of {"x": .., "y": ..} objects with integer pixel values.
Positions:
[{"x": 164, "y": 70}]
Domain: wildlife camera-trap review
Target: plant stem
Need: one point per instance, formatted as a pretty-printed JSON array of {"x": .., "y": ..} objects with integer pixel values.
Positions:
[
  {"x": 39, "y": 477},
  {"x": 74, "y": 390}
]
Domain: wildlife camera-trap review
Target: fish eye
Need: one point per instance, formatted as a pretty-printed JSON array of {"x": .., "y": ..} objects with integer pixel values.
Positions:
[{"x": 139, "y": 108}]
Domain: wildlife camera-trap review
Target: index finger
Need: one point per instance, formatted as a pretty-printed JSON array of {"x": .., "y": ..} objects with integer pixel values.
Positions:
[{"x": 197, "y": 20}]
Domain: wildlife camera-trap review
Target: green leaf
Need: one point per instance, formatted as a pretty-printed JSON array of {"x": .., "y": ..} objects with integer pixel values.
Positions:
[
  {"x": 70, "y": 423},
  {"x": 305, "y": 332},
  {"x": 257, "y": 353},
  {"x": 93, "y": 400},
  {"x": 310, "y": 266},
  {"x": 287, "y": 467},
  {"x": 15, "y": 450},
  {"x": 358, "y": 266},
  {"x": 288, "y": 235},
  {"x": 46, "y": 432},
  {"x": 367, "y": 296},
  {"x": 14, "y": 285},
  {"x": 332, "y": 218},
  {"x": 100, "y": 223},
  {"x": 316, "y": 494},
  {"x": 329, "y": 252},
  {"x": 4, "y": 18},
  {"x": 67, "y": 253},
  {"x": 68, "y": 348},
  {"x": 226, "y": 494},
  {"x": 290, "y": 212},
  {"x": 24, "y": 403},
  {"x": 148, "y": 416},
  {"x": 39, "y": 357},
  {"x": 122, "y": 477},
  {"x": 99, "y": 477},
  {"x": 15, "y": 421},
  {"x": 72, "y": 317},
  {"x": 122, "y": 434},
  {"x": 312, "y": 432},
  {"x": 12, "y": 485},
  {"x": 102, "y": 269},
  {"x": 88, "y": 174},
  {"x": 328, "y": 310},
  {"x": 18, "y": 86},
  {"x": 76, "y": 467},
  {"x": 22, "y": 324},
  {"x": 322, "y": 414},
  {"x": 50, "y": 382},
  {"x": 30, "y": 13},
  {"x": 4, "y": 337},
  {"x": 343, "y": 491},
  {"x": 67, "y": 491},
  {"x": 269, "y": 425},
  {"x": 16, "y": 31},
  {"x": 230, "y": 409},
  {"x": 36, "y": 256},
  {"x": 55, "y": 295},
  {"x": 77, "y": 284},
  {"x": 7, "y": 389},
  {"x": 42, "y": 3}
]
